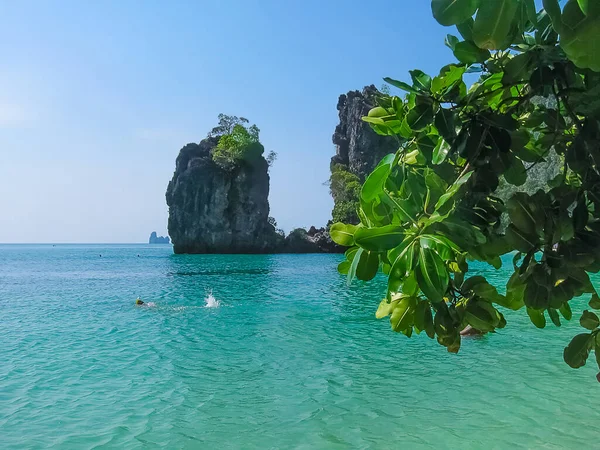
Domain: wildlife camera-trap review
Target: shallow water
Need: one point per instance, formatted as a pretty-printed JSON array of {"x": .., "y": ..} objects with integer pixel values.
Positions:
[{"x": 289, "y": 358}]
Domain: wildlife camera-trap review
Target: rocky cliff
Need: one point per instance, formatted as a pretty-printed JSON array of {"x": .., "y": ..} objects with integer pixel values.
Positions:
[
  {"x": 215, "y": 210},
  {"x": 358, "y": 150},
  {"x": 357, "y": 146},
  {"x": 315, "y": 240}
]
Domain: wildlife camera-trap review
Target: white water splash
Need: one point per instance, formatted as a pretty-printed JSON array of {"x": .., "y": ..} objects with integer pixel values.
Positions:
[{"x": 211, "y": 301}]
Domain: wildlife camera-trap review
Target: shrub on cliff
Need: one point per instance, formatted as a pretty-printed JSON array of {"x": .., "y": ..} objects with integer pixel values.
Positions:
[
  {"x": 344, "y": 187},
  {"x": 242, "y": 144},
  {"x": 237, "y": 142}
]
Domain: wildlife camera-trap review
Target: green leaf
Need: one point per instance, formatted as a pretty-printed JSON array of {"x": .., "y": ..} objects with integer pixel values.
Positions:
[
  {"x": 552, "y": 7},
  {"x": 580, "y": 35},
  {"x": 385, "y": 308},
  {"x": 420, "y": 116},
  {"x": 489, "y": 293},
  {"x": 438, "y": 244},
  {"x": 344, "y": 267},
  {"x": 480, "y": 316},
  {"x": 421, "y": 80},
  {"x": 493, "y": 23},
  {"x": 449, "y": 77},
  {"x": 379, "y": 239},
  {"x": 403, "y": 314},
  {"x": 554, "y": 316},
  {"x": 452, "y": 12},
  {"x": 466, "y": 29},
  {"x": 516, "y": 173},
  {"x": 410, "y": 285},
  {"x": 467, "y": 52},
  {"x": 595, "y": 301},
  {"x": 424, "y": 318},
  {"x": 374, "y": 184},
  {"x": 520, "y": 240},
  {"x": 518, "y": 68},
  {"x": 536, "y": 295},
  {"x": 342, "y": 234},
  {"x": 368, "y": 264},
  {"x": 578, "y": 350},
  {"x": 400, "y": 84},
  {"x": 566, "y": 312},
  {"x": 432, "y": 275},
  {"x": 515, "y": 292},
  {"x": 427, "y": 144},
  {"x": 446, "y": 124},
  {"x": 452, "y": 190},
  {"x": 440, "y": 152},
  {"x": 352, "y": 271},
  {"x": 435, "y": 185},
  {"x": 373, "y": 120},
  {"x": 537, "y": 317},
  {"x": 451, "y": 41},
  {"x": 531, "y": 11},
  {"x": 584, "y": 5},
  {"x": 523, "y": 213},
  {"x": 589, "y": 320}
]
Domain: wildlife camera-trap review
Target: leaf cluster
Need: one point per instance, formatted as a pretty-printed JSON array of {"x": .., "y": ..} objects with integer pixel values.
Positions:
[{"x": 431, "y": 208}]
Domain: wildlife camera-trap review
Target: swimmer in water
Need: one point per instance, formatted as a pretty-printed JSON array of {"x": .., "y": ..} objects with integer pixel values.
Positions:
[{"x": 139, "y": 302}]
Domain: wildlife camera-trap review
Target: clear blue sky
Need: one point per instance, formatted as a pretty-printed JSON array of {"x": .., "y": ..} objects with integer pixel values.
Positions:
[{"x": 97, "y": 98}]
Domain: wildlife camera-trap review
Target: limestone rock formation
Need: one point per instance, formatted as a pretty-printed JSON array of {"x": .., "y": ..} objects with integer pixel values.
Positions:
[
  {"x": 358, "y": 150},
  {"x": 155, "y": 239},
  {"x": 315, "y": 240},
  {"x": 357, "y": 146},
  {"x": 216, "y": 210}
]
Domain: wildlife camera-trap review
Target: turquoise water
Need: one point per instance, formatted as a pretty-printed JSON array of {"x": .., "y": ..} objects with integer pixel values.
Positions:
[{"x": 291, "y": 358}]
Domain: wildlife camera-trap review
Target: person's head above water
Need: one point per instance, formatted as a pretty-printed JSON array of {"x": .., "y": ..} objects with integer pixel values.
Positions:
[{"x": 139, "y": 302}]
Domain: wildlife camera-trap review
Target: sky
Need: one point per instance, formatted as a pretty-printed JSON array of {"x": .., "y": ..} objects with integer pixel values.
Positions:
[{"x": 97, "y": 98}]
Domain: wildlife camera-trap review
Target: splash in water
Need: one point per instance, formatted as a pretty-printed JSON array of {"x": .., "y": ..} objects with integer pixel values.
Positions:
[{"x": 211, "y": 301}]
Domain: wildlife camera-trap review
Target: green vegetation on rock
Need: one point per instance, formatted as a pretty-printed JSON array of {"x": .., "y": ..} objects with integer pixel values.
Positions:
[
  {"x": 468, "y": 157},
  {"x": 344, "y": 187},
  {"x": 237, "y": 142}
]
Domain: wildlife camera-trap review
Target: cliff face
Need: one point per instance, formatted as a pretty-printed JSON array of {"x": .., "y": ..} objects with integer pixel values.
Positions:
[
  {"x": 357, "y": 146},
  {"x": 213, "y": 210},
  {"x": 358, "y": 150},
  {"x": 315, "y": 240}
]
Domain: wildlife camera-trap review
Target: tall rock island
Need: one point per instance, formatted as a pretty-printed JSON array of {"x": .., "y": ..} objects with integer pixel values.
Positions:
[
  {"x": 218, "y": 196},
  {"x": 219, "y": 209},
  {"x": 357, "y": 146},
  {"x": 358, "y": 149}
]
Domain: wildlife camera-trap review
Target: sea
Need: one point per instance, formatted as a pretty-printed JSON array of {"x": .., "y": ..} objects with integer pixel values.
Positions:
[{"x": 262, "y": 352}]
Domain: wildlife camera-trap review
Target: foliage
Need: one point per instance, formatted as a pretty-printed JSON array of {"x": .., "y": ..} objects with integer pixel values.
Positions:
[
  {"x": 432, "y": 207},
  {"x": 297, "y": 234},
  {"x": 271, "y": 220},
  {"x": 236, "y": 142},
  {"x": 271, "y": 158},
  {"x": 344, "y": 187},
  {"x": 226, "y": 125}
]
